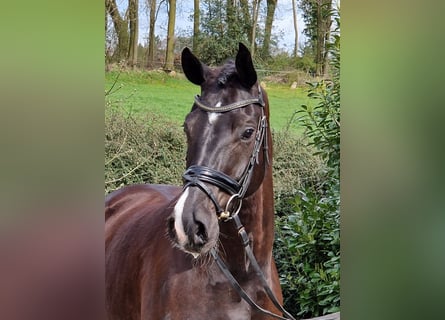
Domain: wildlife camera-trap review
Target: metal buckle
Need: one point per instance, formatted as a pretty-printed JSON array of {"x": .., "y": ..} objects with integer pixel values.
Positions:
[{"x": 226, "y": 215}]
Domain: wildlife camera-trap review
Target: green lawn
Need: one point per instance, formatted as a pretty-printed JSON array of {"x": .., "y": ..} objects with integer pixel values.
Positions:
[{"x": 139, "y": 91}]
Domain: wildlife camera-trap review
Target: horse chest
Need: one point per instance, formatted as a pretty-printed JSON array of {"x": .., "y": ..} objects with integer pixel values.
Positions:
[{"x": 196, "y": 297}]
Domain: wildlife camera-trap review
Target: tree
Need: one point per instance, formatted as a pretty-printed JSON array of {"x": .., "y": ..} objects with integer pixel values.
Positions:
[
  {"x": 255, "y": 11},
  {"x": 170, "y": 54},
  {"x": 195, "y": 25},
  {"x": 271, "y": 6},
  {"x": 221, "y": 29},
  {"x": 317, "y": 15},
  {"x": 121, "y": 28},
  {"x": 133, "y": 26},
  {"x": 294, "y": 12},
  {"x": 151, "y": 34}
]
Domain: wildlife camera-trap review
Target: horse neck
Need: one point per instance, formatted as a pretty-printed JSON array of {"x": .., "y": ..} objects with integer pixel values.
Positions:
[{"x": 257, "y": 216}]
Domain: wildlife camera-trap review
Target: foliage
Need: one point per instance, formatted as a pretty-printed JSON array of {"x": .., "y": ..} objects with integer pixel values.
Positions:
[
  {"x": 317, "y": 16},
  {"x": 306, "y": 63},
  {"x": 322, "y": 121},
  {"x": 307, "y": 254},
  {"x": 307, "y": 245},
  {"x": 295, "y": 167},
  {"x": 284, "y": 62},
  {"x": 280, "y": 62},
  {"x": 220, "y": 32},
  {"x": 141, "y": 150}
]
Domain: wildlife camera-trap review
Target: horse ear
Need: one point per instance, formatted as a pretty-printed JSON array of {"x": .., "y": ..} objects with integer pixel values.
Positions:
[
  {"x": 192, "y": 67},
  {"x": 244, "y": 67}
]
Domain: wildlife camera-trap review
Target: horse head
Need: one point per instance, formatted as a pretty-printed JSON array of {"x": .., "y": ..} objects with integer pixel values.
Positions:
[{"x": 227, "y": 151}]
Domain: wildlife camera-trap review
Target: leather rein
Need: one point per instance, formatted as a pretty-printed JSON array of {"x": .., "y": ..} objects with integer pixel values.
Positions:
[{"x": 198, "y": 176}]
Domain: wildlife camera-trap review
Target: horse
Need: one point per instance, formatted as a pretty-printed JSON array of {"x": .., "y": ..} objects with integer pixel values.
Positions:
[{"x": 173, "y": 253}]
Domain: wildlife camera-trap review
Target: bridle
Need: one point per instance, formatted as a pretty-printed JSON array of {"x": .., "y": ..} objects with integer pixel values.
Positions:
[{"x": 198, "y": 176}]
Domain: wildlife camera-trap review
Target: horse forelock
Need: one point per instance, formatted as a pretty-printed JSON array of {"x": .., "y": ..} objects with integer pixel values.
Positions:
[{"x": 226, "y": 72}]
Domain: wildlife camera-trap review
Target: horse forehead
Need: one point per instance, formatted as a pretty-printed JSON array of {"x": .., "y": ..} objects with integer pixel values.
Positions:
[{"x": 213, "y": 116}]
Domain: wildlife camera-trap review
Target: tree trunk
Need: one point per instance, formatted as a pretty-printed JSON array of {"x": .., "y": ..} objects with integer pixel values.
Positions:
[
  {"x": 151, "y": 35},
  {"x": 327, "y": 19},
  {"x": 133, "y": 23},
  {"x": 319, "y": 46},
  {"x": 325, "y": 69},
  {"x": 323, "y": 27},
  {"x": 195, "y": 26},
  {"x": 255, "y": 11},
  {"x": 294, "y": 11},
  {"x": 170, "y": 52},
  {"x": 271, "y": 5},
  {"x": 120, "y": 26}
]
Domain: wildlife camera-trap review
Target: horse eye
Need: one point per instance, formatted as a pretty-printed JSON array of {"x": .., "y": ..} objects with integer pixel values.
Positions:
[{"x": 247, "y": 133}]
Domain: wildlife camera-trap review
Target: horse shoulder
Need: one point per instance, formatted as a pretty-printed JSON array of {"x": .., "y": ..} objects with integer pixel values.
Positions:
[
  {"x": 136, "y": 196},
  {"x": 135, "y": 227}
]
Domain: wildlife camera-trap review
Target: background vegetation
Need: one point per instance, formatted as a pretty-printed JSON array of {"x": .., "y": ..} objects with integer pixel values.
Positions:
[
  {"x": 307, "y": 245},
  {"x": 215, "y": 29}
]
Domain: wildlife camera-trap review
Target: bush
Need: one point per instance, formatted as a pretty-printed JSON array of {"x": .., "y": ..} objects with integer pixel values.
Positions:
[
  {"x": 305, "y": 63},
  {"x": 306, "y": 251},
  {"x": 142, "y": 150},
  {"x": 294, "y": 168},
  {"x": 307, "y": 243}
]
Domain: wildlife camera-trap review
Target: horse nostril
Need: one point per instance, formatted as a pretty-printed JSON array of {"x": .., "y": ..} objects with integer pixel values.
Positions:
[
  {"x": 200, "y": 237},
  {"x": 171, "y": 228}
]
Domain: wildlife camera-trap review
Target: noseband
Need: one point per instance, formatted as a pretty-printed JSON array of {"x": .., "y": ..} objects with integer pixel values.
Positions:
[{"x": 197, "y": 176}]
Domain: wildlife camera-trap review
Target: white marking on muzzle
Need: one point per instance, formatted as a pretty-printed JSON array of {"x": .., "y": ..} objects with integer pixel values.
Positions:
[{"x": 179, "y": 227}]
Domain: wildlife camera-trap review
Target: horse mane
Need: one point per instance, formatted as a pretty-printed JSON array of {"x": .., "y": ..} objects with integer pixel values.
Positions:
[{"x": 228, "y": 70}]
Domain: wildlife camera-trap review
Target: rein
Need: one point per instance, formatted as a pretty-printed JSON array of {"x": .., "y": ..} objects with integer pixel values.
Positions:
[
  {"x": 248, "y": 249},
  {"x": 198, "y": 176}
]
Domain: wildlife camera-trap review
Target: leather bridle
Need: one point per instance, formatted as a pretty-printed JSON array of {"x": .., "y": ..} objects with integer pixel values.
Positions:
[{"x": 198, "y": 176}]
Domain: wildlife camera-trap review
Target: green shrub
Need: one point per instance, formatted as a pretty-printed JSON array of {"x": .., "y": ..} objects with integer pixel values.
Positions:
[
  {"x": 146, "y": 149},
  {"x": 300, "y": 77},
  {"x": 307, "y": 243},
  {"x": 307, "y": 253},
  {"x": 294, "y": 168},
  {"x": 305, "y": 63},
  {"x": 322, "y": 121},
  {"x": 280, "y": 62}
]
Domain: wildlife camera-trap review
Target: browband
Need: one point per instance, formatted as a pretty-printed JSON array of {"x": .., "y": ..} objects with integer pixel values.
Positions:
[{"x": 232, "y": 106}]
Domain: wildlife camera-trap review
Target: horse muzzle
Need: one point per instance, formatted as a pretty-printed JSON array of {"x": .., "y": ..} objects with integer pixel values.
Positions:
[{"x": 193, "y": 226}]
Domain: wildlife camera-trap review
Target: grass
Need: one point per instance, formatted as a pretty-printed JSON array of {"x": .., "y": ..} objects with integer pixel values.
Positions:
[{"x": 137, "y": 92}]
